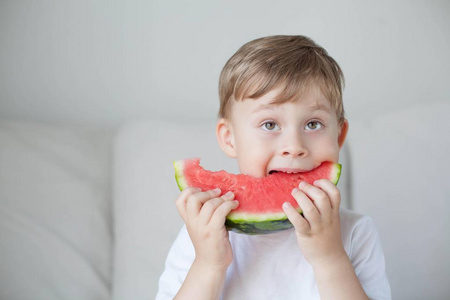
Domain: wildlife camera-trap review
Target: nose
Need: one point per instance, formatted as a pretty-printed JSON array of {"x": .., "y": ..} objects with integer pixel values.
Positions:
[{"x": 293, "y": 146}]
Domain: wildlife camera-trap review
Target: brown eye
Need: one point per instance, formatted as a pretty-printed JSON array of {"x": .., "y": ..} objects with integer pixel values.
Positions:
[
  {"x": 313, "y": 125},
  {"x": 270, "y": 126}
]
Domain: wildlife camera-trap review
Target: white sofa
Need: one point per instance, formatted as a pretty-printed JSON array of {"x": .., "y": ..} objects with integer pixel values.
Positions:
[{"x": 90, "y": 214}]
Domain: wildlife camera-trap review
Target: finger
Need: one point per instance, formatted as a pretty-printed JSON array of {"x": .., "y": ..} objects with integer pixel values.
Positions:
[
  {"x": 195, "y": 201},
  {"x": 220, "y": 214},
  {"x": 182, "y": 200},
  {"x": 310, "y": 212},
  {"x": 300, "y": 224},
  {"x": 210, "y": 207},
  {"x": 331, "y": 190},
  {"x": 319, "y": 197}
]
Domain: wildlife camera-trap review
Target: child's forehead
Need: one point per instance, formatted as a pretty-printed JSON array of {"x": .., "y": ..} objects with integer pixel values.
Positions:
[
  {"x": 311, "y": 101},
  {"x": 311, "y": 97},
  {"x": 313, "y": 92}
]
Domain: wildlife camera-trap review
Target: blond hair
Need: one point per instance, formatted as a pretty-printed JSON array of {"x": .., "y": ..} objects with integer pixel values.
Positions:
[{"x": 287, "y": 63}]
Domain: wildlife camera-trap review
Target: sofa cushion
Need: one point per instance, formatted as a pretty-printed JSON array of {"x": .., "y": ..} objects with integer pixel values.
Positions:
[{"x": 55, "y": 217}]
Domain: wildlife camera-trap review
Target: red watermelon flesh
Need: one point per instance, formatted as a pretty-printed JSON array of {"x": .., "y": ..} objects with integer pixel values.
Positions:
[{"x": 260, "y": 199}]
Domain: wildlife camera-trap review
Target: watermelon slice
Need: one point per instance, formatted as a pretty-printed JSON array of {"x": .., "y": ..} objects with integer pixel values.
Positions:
[{"x": 260, "y": 199}]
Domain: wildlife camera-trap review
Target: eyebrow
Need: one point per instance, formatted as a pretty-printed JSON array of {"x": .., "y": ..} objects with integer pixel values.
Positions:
[
  {"x": 320, "y": 106},
  {"x": 271, "y": 106}
]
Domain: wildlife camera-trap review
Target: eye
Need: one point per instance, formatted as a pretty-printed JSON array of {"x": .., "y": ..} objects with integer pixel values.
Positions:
[
  {"x": 313, "y": 125},
  {"x": 270, "y": 126}
]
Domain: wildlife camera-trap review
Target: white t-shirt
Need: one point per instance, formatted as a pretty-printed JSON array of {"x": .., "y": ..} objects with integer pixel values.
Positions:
[{"x": 272, "y": 267}]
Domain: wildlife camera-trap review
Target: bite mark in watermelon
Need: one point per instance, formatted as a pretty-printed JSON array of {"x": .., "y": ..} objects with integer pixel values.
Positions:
[{"x": 260, "y": 199}]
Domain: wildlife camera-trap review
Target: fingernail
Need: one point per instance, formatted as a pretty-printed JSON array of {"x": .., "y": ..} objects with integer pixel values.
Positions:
[
  {"x": 286, "y": 205},
  {"x": 216, "y": 190},
  {"x": 302, "y": 184},
  {"x": 294, "y": 191},
  {"x": 229, "y": 194}
]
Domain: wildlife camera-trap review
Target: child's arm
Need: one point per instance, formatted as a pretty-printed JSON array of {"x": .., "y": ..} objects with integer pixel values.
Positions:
[
  {"x": 204, "y": 214},
  {"x": 319, "y": 237}
]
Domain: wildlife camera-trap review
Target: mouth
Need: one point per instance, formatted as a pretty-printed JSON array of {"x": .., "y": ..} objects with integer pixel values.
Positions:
[{"x": 287, "y": 171}]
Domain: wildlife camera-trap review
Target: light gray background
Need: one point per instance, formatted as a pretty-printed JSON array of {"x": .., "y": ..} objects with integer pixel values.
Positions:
[{"x": 105, "y": 63}]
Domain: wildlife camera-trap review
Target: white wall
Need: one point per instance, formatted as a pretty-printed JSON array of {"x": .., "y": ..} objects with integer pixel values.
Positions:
[{"x": 104, "y": 62}]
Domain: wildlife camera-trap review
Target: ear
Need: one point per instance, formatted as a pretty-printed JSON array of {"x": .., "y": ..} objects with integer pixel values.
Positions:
[
  {"x": 343, "y": 133},
  {"x": 225, "y": 137}
]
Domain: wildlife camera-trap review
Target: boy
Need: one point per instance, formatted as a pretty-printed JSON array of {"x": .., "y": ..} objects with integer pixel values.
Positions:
[{"x": 280, "y": 111}]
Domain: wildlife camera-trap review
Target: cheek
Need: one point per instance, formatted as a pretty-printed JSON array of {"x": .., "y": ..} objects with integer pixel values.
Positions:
[
  {"x": 253, "y": 154},
  {"x": 327, "y": 149},
  {"x": 251, "y": 148}
]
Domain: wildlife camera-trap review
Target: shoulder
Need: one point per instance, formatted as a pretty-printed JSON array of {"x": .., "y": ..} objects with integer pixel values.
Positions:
[
  {"x": 358, "y": 231},
  {"x": 363, "y": 246},
  {"x": 351, "y": 221},
  {"x": 182, "y": 249},
  {"x": 179, "y": 260}
]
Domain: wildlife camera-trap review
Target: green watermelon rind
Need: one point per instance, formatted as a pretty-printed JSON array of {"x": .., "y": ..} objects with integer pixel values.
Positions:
[
  {"x": 260, "y": 227},
  {"x": 253, "y": 223},
  {"x": 335, "y": 173},
  {"x": 179, "y": 175}
]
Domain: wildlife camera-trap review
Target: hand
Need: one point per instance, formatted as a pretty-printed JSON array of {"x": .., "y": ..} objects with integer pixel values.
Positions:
[
  {"x": 204, "y": 214},
  {"x": 318, "y": 230}
]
